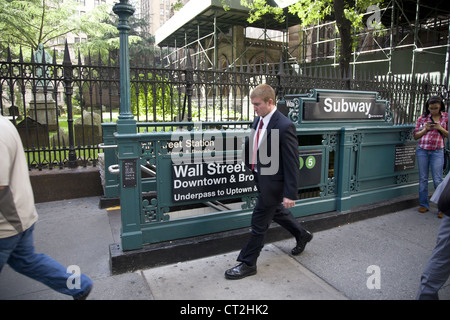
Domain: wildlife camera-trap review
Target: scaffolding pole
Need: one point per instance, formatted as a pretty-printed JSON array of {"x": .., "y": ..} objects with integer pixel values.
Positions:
[{"x": 416, "y": 32}]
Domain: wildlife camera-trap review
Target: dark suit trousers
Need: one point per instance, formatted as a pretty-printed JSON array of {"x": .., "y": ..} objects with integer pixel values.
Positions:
[{"x": 261, "y": 218}]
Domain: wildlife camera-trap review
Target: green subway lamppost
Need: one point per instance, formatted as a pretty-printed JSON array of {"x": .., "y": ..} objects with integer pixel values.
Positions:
[
  {"x": 126, "y": 122},
  {"x": 128, "y": 148}
]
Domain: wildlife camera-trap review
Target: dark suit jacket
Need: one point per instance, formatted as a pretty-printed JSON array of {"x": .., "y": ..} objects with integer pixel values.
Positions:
[{"x": 277, "y": 164}]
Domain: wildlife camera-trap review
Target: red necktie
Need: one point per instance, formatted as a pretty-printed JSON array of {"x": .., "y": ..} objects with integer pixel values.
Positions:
[{"x": 255, "y": 147}]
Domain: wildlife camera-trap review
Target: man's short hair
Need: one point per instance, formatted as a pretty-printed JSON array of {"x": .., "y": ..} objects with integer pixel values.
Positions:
[{"x": 264, "y": 91}]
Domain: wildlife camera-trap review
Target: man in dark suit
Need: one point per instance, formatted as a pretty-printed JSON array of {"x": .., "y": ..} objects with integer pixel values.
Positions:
[{"x": 275, "y": 165}]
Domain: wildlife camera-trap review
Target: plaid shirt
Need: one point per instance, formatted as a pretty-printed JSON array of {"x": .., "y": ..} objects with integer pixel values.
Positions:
[{"x": 433, "y": 139}]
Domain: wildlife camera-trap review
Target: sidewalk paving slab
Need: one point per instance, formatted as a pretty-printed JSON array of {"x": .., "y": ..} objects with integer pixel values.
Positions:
[
  {"x": 334, "y": 265},
  {"x": 279, "y": 277}
]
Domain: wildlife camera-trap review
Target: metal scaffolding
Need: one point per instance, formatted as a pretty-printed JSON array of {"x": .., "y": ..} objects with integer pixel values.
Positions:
[{"x": 410, "y": 25}]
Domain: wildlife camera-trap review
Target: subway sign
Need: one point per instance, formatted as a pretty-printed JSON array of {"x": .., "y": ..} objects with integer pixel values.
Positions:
[
  {"x": 325, "y": 105},
  {"x": 208, "y": 180},
  {"x": 344, "y": 106}
]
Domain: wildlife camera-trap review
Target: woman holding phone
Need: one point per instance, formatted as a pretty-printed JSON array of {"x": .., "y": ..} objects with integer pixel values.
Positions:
[{"x": 431, "y": 131}]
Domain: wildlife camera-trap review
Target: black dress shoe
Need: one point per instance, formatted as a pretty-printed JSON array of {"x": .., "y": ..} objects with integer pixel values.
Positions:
[
  {"x": 85, "y": 295},
  {"x": 240, "y": 271},
  {"x": 301, "y": 244}
]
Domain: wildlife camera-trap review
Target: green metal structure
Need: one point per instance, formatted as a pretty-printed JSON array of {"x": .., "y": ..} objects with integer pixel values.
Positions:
[
  {"x": 351, "y": 154},
  {"x": 344, "y": 163}
]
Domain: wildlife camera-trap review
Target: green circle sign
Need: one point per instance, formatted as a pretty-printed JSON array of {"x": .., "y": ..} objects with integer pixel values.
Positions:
[
  {"x": 310, "y": 162},
  {"x": 301, "y": 162}
]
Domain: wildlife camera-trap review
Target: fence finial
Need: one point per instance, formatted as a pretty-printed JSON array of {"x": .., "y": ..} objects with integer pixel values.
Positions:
[
  {"x": 9, "y": 55},
  {"x": 66, "y": 60},
  {"x": 281, "y": 67}
]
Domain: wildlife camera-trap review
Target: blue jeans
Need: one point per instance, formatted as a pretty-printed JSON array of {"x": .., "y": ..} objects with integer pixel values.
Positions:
[
  {"x": 437, "y": 270},
  {"x": 427, "y": 159},
  {"x": 18, "y": 252}
]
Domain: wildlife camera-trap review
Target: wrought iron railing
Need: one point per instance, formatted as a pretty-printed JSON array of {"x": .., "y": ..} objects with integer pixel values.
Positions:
[{"x": 59, "y": 113}]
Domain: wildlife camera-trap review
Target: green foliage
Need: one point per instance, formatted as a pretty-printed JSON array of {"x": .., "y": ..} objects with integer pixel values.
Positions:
[
  {"x": 153, "y": 95},
  {"x": 259, "y": 8},
  {"x": 215, "y": 112},
  {"x": 98, "y": 25},
  {"x": 101, "y": 27},
  {"x": 26, "y": 23},
  {"x": 178, "y": 5},
  {"x": 104, "y": 37},
  {"x": 311, "y": 11},
  {"x": 315, "y": 11}
]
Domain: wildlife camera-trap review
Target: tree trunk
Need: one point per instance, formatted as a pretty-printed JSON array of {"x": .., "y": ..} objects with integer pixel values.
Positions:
[{"x": 344, "y": 27}]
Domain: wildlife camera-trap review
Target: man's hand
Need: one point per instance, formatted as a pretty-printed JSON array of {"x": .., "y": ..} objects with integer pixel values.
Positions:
[{"x": 288, "y": 203}]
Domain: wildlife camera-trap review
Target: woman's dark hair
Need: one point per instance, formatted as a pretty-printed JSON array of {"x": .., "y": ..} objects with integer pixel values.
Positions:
[{"x": 433, "y": 100}]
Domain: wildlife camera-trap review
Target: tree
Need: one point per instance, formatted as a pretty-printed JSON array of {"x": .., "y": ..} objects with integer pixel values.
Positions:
[
  {"x": 141, "y": 46},
  {"x": 344, "y": 26},
  {"x": 26, "y": 23},
  {"x": 347, "y": 13}
]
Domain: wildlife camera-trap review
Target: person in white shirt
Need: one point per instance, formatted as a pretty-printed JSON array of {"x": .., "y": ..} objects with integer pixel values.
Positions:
[{"x": 17, "y": 220}]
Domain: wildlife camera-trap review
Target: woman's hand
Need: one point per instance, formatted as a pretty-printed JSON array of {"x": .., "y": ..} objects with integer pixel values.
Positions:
[
  {"x": 438, "y": 127},
  {"x": 431, "y": 125},
  {"x": 427, "y": 127}
]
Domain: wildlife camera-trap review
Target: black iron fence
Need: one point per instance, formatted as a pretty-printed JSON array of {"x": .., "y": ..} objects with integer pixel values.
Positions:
[{"x": 58, "y": 107}]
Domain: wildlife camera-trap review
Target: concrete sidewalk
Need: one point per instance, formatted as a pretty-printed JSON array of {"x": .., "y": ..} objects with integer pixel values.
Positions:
[{"x": 334, "y": 265}]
